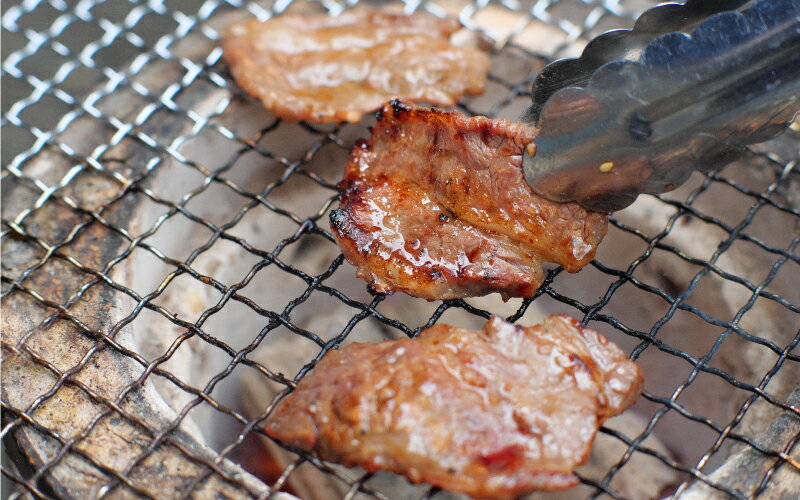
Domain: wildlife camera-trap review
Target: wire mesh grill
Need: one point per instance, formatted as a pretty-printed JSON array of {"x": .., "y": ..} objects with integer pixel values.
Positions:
[{"x": 128, "y": 179}]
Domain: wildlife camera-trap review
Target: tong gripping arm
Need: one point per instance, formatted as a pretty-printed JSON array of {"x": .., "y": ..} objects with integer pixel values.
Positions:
[{"x": 643, "y": 123}]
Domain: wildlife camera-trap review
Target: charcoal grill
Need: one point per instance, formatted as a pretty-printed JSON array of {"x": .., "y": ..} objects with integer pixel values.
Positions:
[{"x": 168, "y": 273}]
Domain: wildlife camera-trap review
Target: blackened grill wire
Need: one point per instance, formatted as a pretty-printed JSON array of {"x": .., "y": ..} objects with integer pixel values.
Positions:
[{"x": 188, "y": 19}]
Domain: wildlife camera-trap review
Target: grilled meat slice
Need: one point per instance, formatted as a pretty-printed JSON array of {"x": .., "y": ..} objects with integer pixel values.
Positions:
[
  {"x": 435, "y": 205},
  {"x": 322, "y": 68},
  {"x": 494, "y": 413}
]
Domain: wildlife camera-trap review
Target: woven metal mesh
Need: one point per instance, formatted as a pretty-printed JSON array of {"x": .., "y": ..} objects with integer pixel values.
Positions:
[{"x": 66, "y": 237}]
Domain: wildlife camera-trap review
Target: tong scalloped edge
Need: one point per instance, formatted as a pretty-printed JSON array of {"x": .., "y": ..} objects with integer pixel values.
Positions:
[
  {"x": 617, "y": 44},
  {"x": 678, "y": 103}
]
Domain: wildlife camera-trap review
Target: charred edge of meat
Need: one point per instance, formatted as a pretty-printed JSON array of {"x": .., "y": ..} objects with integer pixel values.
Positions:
[
  {"x": 350, "y": 189},
  {"x": 339, "y": 220},
  {"x": 399, "y": 107},
  {"x": 402, "y": 106}
]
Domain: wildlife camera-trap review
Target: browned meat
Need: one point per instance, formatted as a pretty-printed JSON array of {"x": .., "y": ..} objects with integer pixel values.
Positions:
[
  {"x": 494, "y": 413},
  {"x": 322, "y": 68},
  {"x": 435, "y": 204}
]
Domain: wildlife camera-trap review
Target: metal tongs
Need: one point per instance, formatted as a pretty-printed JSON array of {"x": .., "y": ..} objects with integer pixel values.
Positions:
[{"x": 686, "y": 89}]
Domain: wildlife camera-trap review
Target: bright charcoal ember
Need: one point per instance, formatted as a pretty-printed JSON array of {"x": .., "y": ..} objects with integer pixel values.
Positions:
[
  {"x": 435, "y": 205},
  {"x": 494, "y": 413},
  {"x": 321, "y": 68}
]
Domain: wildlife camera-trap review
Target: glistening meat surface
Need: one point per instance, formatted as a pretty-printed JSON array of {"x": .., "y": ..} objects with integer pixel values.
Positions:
[
  {"x": 494, "y": 413},
  {"x": 321, "y": 68},
  {"x": 435, "y": 205}
]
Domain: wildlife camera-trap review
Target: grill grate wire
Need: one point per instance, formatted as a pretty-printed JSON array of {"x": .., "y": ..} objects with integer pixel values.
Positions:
[{"x": 46, "y": 75}]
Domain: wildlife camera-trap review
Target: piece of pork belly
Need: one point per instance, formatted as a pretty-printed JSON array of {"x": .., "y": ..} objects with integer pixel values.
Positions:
[
  {"x": 435, "y": 204},
  {"x": 494, "y": 413},
  {"x": 317, "y": 67}
]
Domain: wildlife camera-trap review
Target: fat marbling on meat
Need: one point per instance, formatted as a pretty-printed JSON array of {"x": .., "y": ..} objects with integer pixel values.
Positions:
[
  {"x": 318, "y": 67},
  {"x": 435, "y": 204},
  {"x": 494, "y": 413}
]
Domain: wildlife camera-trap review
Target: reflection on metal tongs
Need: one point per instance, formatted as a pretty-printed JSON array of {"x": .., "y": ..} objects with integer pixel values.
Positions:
[{"x": 686, "y": 89}]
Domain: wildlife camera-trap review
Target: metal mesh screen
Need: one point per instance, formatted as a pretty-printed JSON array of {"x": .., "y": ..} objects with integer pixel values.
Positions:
[{"x": 165, "y": 245}]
